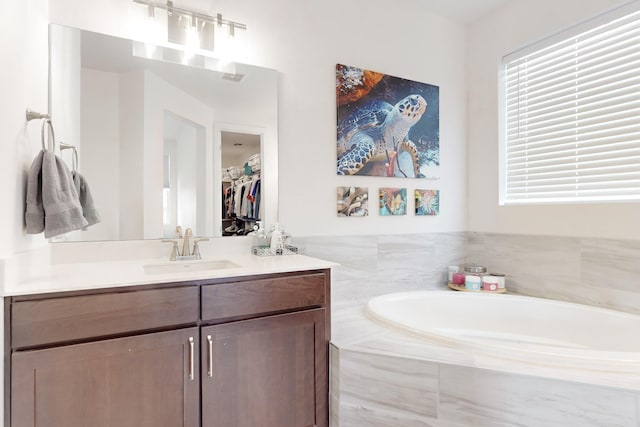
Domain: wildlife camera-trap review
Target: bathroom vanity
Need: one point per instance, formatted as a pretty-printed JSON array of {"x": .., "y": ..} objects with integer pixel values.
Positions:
[{"x": 241, "y": 350}]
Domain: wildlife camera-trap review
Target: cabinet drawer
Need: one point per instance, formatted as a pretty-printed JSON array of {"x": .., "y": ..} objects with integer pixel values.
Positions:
[
  {"x": 63, "y": 319},
  {"x": 262, "y": 296}
]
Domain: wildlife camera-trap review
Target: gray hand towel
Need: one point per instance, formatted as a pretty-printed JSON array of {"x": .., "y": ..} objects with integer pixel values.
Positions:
[
  {"x": 89, "y": 210},
  {"x": 62, "y": 210},
  {"x": 34, "y": 214}
]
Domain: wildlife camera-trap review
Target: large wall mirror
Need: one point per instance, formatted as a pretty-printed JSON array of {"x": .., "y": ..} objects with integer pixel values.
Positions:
[{"x": 164, "y": 140}]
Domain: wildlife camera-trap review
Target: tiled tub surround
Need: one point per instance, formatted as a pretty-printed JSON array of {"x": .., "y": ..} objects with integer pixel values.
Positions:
[
  {"x": 381, "y": 264},
  {"x": 600, "y": 272},
  {"x": 382, "y": 377}
]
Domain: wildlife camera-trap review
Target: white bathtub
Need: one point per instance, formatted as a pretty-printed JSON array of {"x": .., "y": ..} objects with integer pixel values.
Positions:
[{"x": 518, "y": 328}]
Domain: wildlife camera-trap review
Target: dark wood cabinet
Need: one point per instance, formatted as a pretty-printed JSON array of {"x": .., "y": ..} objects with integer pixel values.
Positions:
[
  {"x": 265, "y": 372},
  {"x": 249, "y": 351},
  {"x": 141, "y": 381}
]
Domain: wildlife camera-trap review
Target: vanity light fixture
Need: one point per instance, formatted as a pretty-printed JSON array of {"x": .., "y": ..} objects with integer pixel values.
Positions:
[{"x": 182, "y": 24}]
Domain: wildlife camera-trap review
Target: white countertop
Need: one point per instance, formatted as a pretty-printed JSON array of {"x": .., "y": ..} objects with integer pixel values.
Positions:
[{"x": 42, "y": 271}]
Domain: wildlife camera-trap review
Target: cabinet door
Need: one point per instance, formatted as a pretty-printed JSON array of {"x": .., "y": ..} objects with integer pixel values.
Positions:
[
  {"x": 148, "y": 380},
  {"x": 269, "y": 372}
]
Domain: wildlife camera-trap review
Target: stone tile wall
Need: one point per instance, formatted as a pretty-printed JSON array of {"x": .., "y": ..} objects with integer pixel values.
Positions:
[
  {"x": 384, "y": 387},
  {"x": 599, "y": 272},
  {"x": 381, "y": 264},
  {"x": 374, "y": 390}
]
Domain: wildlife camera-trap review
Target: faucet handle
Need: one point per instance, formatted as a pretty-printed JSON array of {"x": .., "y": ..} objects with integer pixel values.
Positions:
[
  {"x": 174, "y": 249},
  {"x": 196, "y": 248}
]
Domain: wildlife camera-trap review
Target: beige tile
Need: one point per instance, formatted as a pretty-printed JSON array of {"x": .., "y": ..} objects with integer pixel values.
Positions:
[
  {"x": 480, "y": 397},
  {"x": 359, "y": 252},
  {"x": 611, "y": 264},
  {"x": 385, "y": 384},
  {"x": 359, "y": 416}
]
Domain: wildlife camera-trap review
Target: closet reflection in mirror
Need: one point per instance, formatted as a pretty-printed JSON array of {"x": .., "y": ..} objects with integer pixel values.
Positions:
[
  {"x": 156, "y": 137},
  {"x": 241, "y": 182}
]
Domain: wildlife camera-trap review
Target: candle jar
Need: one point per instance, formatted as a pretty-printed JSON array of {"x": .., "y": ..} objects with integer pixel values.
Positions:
[
  {"x": 489, "y": 283},
  {"x": 452, "y": 270},
  {"x": 500, "y": 278},
  {"x": 472, "y": 283},
  {"x": 475, "y": 270},
  {"x": 473, "y": 276},
  {"x": 458, "y": 279}
]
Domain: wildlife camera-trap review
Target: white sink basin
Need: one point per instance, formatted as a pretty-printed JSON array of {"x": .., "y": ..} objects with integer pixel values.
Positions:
[{"x": 173, "y": 267}]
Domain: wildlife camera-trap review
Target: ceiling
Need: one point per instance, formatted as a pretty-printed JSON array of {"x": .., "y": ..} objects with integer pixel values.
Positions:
[{"x": 463, "y": 11}]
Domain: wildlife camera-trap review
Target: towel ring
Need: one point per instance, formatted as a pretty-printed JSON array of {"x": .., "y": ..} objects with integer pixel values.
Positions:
[
  {"x": 74, "y": 160},
  {"x": 53, "y": 135}
]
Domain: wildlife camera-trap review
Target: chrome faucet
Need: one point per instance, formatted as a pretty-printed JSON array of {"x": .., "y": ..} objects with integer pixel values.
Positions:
[
  {"x": 186, "y": 244},
  {"x": 187, "y": 254},
  {"x": 174, "y": 249}
]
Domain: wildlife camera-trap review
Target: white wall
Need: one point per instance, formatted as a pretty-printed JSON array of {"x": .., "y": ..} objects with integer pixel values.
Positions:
[
  {"x": 505, "y": 30},
  {"x": 378, "y": 35},
  {"x": 304, "y": 44},
  {"x": 23, "y": 85}
]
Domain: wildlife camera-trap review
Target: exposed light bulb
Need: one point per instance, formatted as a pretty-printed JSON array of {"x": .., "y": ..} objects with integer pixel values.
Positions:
[{"x": 191, "y": 42}]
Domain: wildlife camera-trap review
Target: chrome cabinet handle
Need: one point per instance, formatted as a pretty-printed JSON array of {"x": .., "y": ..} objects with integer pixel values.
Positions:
[
  {"x": 210, "y": 361},
  {"x": 191, "y": 363}
]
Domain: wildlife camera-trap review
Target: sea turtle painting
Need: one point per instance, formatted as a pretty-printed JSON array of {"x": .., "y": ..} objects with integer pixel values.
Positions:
[{"x": 387, "y": 126}]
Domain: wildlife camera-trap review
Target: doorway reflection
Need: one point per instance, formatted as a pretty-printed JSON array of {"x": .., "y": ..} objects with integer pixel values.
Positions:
[{"x": 241, "y": 182}]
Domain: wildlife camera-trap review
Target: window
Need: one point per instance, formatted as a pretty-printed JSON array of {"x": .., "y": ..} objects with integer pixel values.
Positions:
[{"x": 572, "y": 115}]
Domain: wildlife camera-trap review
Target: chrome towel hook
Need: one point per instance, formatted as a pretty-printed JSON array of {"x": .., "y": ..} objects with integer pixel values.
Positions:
[
  {"x": 53, "y": 136},
  {"x": 74, "y": 158}
]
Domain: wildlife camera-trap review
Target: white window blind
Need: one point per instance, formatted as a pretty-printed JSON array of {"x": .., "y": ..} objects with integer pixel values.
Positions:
[{"x": 572, "y": 117}]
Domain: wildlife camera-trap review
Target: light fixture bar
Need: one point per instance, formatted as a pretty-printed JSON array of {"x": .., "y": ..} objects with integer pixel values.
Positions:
[{"x": 170, "y": 8}]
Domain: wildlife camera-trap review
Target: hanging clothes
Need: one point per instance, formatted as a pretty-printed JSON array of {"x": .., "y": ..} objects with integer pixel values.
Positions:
[{"x": 244, "y": 199}]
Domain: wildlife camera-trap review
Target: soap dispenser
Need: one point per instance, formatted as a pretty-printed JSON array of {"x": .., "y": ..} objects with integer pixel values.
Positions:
[{"x": 276, "y": 237}]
